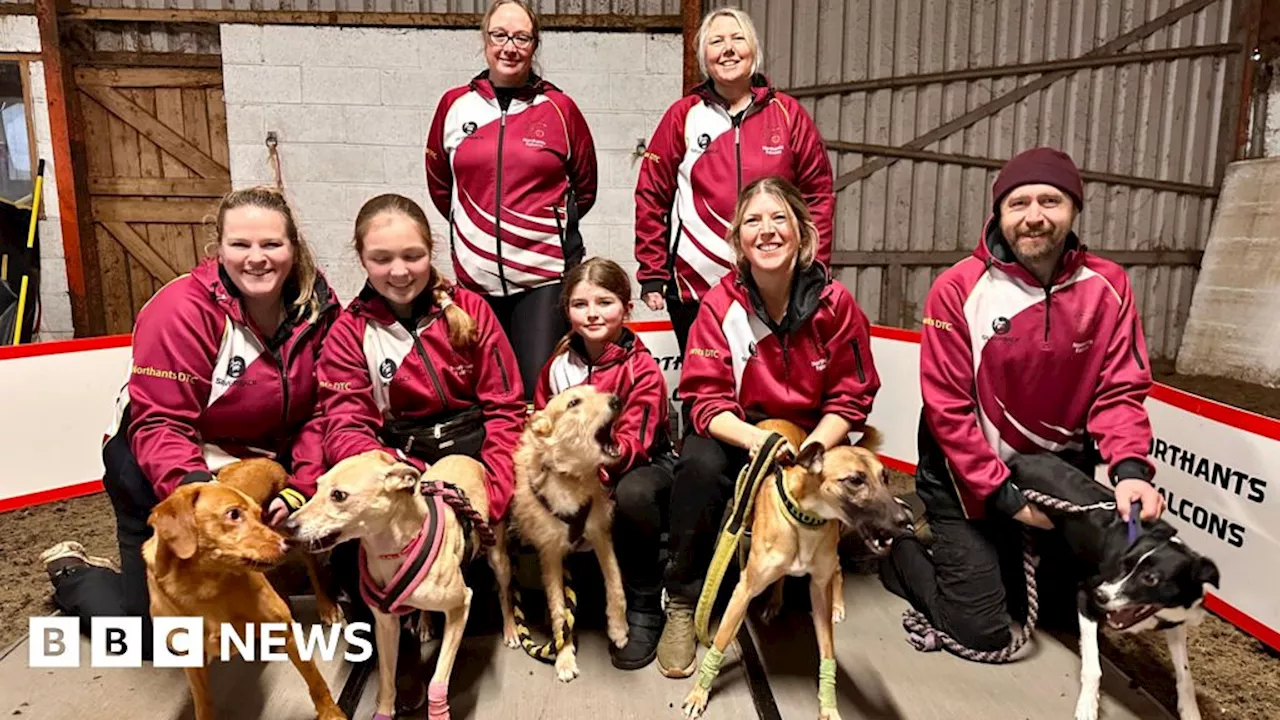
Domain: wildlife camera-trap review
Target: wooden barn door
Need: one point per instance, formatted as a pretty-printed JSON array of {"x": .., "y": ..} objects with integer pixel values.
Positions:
[{"x": 158, "y": 161}]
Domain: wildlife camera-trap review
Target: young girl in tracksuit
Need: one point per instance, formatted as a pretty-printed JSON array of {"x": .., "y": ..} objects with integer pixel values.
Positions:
[
  {"x": 223, "y": 368},
  {"x": 600, "y": 351},
  {"x": 413, "y": 353},
  {"x": 777, "y": 338},
  {"x": 512, "y": 166}
]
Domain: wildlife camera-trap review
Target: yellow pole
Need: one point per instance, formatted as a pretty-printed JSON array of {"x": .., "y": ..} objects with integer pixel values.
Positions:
[{"x": 31, "y": 242}]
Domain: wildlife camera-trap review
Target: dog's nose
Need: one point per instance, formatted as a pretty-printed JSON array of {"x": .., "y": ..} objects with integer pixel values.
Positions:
[
  {"x": 289, "y": 527},
  {"x": 615, "y": 402}
]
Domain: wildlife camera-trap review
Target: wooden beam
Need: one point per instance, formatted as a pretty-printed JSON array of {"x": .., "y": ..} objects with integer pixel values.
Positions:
[
  {"x": 149, "y": 77},
  {"x": 1000, "y": 102},
  {"x": 942, "y": 258},
  {"x": 156, "y": 131},
  {"x": 84, "y": 280},
  {"x": 981, "y": 162},
  {"x": 145, "y": 59},
  {"x": 599, "y": 22},
  {"x": 1078, "y": 63},
  {"x": 168, "y": 187},
  {"x": 691, "y": 19},
  {"x": 1247, "y": 26},
  {"x": 108, "y": 210},
  {"x": 140, "y": 250},
  {"x": 18, "y": 9}
]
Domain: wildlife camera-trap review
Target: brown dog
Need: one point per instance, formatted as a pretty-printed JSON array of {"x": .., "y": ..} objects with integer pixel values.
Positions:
[
  {"x": 846, "y": 484},
  {"x": 559, "y": 500},
  {"x": 374, "y": 498},
  {"x": 207, "y": 559}
]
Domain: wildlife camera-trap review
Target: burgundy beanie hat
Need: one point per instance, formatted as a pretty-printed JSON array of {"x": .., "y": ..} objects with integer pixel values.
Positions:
[{"x": 1035, "y": 166}]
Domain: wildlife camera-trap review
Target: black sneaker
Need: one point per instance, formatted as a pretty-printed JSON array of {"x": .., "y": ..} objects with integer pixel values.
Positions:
[{"x": 645, "y": 621}]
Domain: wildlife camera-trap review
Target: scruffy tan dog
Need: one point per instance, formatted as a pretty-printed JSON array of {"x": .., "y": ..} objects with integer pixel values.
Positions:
[
  {"x": 827, "y": 488},
  {"x": 559, "y": 500}
]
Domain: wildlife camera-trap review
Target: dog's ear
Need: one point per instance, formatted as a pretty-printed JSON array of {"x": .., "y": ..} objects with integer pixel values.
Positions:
[
  {"x": 811, "y": 457},
  {"x": 1206, "y": 571},
  {"x": 540, "y": 424},
  {"x": 174, "y": 521},
  {"x": 384, "y": 456},
  {"x": 400, "y": 477}
]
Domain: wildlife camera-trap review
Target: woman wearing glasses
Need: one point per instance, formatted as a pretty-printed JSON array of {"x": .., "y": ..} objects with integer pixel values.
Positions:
[{"x": 512, "y": 166}]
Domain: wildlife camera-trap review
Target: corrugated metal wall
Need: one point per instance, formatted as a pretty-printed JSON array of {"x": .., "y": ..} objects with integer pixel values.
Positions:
[
  {"x": 1158, "y": 120},
  {"x": 557, "y": 7}
]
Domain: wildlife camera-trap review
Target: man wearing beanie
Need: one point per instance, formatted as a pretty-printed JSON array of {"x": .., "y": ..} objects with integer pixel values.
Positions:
[{"x": 1030, "y": 345}]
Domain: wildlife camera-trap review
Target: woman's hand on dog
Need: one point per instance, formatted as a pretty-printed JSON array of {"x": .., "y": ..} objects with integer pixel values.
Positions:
[
  {"x": 1133, "y": 489},
  {"x": 1032, "y": 515}
]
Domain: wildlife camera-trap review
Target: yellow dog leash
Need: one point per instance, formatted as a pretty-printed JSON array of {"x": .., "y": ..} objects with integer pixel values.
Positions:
[{"x": 744, "y": 497}]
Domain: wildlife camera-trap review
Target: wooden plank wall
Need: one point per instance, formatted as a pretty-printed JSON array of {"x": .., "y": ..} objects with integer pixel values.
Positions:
[
  {"x": 558, "y": 7},
  {"x": 1157, "y": 120}
]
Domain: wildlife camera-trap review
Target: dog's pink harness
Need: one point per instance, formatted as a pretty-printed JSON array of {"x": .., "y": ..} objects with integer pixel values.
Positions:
[{"x": 421, "y": 552}]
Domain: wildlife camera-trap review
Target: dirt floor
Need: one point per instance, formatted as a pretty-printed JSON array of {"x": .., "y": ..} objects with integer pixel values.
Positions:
[{"x": 1237, "y": 676}]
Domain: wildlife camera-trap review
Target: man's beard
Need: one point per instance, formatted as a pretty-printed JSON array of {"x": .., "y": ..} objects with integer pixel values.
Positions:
[{"x": 1037, "y": 249}]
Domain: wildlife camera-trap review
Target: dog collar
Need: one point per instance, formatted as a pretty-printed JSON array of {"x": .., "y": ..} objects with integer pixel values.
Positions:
[
  {"x": 793, "y": 508},
  {"x": 577, "y": 521}
]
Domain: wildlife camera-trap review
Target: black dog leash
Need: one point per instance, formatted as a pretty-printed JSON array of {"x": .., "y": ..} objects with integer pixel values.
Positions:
[{"x": 1135, "y": 521}]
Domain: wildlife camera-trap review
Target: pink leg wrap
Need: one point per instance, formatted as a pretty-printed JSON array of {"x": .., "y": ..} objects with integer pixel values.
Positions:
[{"x": 437, "y": 701}]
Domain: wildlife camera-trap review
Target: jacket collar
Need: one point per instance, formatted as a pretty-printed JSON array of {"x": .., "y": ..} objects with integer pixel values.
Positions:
[
  {"x": 535, "y": 87},
  {"x": 615, "y": 353},
  {"x": 993, "y": 249},
  {"x": 807, "y": 287},
  {"x": 762, "y": 91},
  {"x": 223, "y": 291}
]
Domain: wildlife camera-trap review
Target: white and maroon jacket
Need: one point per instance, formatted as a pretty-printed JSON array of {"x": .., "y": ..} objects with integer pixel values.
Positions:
[
  {"x": 818, "y": 361},
  {"x": 698, "y": 160},
  {"x": 628, "y": 370},
  {"x": 1010, "y": 366},
  {"x": 205, "y": 388},
  {"x": 373, "y": 368},
  {"x": 513, "y": 183}
]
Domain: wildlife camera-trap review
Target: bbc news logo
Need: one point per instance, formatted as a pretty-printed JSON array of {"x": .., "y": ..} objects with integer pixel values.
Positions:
[{"x": 179, "y": 642}]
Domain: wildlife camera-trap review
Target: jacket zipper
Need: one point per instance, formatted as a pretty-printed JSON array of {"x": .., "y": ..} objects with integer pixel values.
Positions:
[
  {"x": 497, "y": 360},
  {"x": 857, "y": 362},
  {"x": 737, "y": 147},
  {"x": 497, "y": 211},
  {"x": 1048, "y": 306},
  {"x": 431, "y": 370}
]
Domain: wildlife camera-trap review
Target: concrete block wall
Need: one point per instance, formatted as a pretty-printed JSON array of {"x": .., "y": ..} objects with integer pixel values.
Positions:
[
  {"x": 21, "y": 34},
  {"x": 352, "y": 107},
  {"x": 1232, "y": 330}
]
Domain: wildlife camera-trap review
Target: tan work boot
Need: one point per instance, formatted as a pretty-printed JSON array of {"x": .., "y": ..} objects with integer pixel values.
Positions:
[
  {"x": 677, "y": 649},
  {"x": 68, "y": 554}
]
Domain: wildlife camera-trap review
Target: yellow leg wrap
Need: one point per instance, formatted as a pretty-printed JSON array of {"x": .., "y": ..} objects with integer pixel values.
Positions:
[
  {"x": 710, "y": 668},
  {"x": 827, "y": 684},
  {"x": 749, "y": 479}
]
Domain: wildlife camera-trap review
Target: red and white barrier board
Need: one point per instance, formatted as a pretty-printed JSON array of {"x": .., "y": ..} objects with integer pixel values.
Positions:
[{"x": 1215, "y": 464}]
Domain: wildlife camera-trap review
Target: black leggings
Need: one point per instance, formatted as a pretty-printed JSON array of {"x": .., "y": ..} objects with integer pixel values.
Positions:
[
  {"x": 92, "y": 591},
  {"x": 703, "y": 485},
  {"x": 534, "y": 324},
  {"x": 682, "y": 315},
  {"x": 642, "y": 496}
]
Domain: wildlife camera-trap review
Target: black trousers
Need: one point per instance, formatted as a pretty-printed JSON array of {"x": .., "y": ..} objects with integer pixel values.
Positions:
[
  {"x": 682, "y": 315},
  {"x": 534, "y": 324},
  {"x": 971, "y": 583},
  {"x": 91, "y": 591},
  {"x": 642, "y": 498},
  {"x": 702, "y": 486}
]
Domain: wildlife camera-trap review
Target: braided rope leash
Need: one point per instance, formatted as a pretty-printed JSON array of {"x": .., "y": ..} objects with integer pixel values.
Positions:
[
  {"x": 455, "y": 498},
  {"x": 545, "y": 652},
  {"x": 924, "y": 637}
]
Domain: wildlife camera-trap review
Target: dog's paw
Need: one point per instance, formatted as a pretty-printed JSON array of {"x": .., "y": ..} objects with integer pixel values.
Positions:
[
  {"x": 330, "y": 613},
  {"x": 566, "y": 665},
  {"x": 510, "y": 637},
  {"x": 829, "y": 714},
  {"x": 837, "y": 613},
  {"x": 1087, "y": 707},
  {"x": 331, "y": 712},
  {"x": 772, "y": 609},
  {"x": 695, "y": 703},
  {"x": 425, "y": 628},
  {"x": 618, "y": 633}
]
